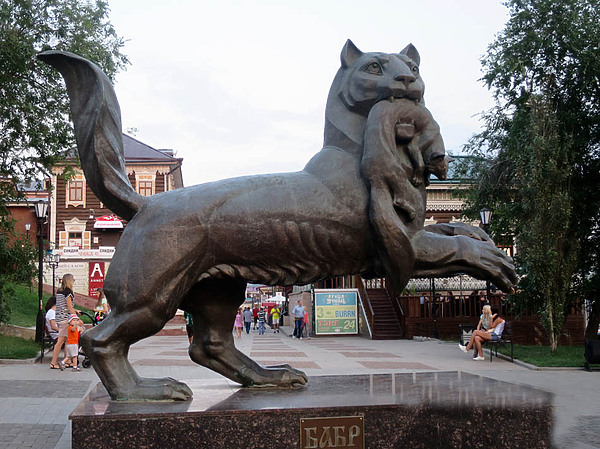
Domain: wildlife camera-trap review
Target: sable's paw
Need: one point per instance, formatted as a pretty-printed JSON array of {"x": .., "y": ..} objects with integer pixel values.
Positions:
[
  {"x": 466, "y": 230},
  {"x": 477, "y": 233},
  {"x": 401, "y": 205},
  {"x": 472, "y": 232},
  {"x": 416, "y": 180},
  {"x": 405, "y": 132}
]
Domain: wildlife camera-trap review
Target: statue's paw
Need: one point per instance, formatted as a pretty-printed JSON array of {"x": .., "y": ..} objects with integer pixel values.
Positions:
[
  {"x": 281, "y": 376},
  {"x": 291, "y": 375},
  {"x": 165, "y": 389},
  {"x": 499, "y": 268}
]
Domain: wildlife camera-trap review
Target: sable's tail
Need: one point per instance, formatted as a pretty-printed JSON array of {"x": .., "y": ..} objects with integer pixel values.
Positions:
[{"x": 97, "y": 121}]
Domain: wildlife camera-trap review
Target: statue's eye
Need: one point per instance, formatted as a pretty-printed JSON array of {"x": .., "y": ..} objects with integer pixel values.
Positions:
[
  {"x": 415, "y": 70},
  {"x": 374, "y": 68}
]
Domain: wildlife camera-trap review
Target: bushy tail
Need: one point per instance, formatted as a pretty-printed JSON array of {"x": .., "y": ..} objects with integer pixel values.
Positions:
[{"x": 97, "y": 121}]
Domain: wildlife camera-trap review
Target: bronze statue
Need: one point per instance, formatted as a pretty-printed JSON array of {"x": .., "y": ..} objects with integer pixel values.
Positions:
[{"x": 355, "y": 208}]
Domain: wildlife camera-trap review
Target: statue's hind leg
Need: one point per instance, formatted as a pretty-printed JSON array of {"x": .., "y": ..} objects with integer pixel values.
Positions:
[
  {"x": 213, "y": 304},
  {"x": 107, "y": 346}
]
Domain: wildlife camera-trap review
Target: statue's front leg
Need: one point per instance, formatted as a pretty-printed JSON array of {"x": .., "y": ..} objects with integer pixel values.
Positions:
[
  {"x": 459, "y": 228},
  {"x": 441, "y": 255}
]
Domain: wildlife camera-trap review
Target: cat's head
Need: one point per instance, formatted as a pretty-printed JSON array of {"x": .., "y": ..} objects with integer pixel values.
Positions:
[{"x": 371, "y": 77}]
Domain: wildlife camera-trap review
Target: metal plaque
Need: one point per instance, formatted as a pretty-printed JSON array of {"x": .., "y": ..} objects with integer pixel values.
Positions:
[{"x": 338, "y": 432}]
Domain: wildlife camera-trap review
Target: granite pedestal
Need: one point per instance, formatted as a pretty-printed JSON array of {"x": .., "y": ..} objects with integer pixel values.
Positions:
[{"x": 407, "y": 410}]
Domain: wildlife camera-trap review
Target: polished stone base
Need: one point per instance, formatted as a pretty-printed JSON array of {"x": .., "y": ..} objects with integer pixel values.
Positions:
[{"x": 408, "y": 410}]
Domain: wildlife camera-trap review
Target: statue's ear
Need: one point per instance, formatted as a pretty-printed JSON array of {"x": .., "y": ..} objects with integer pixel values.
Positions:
[
  {"x": 350, "y": 53},
  {"x": 411, "y": 51}
]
